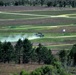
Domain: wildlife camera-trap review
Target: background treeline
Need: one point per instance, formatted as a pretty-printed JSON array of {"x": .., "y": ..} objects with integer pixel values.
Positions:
[
  {"x": 49, "y": 3},
  {"x": 25, "y": 52}
]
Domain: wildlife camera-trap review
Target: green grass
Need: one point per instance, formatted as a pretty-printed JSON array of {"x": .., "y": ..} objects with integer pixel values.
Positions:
[
  {"x": 11, "y": 16},
  {"x": 60, "y": 47},
  {"x": 25, "y": 27},
  {"x": 50, "y": 12},
  {"x": 53, "y": 40},
  {"x": 58, "y": 34},
  {"x": 72, "y": 16},
  {"x": 43, "y": 29},
  {"x": 56, "y": 24},
  {"x": 8, "y": 16},
  {"x": 50, "y": 27},
  {"x": 46, "y": 30}
]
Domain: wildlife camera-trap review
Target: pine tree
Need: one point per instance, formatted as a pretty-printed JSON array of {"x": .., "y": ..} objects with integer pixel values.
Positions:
[
  {"x": 42, "y": 2},
  {"x": 18, "y": 51},
  {"x": 73, "y": 54},
  {"x": 33, "y": 55},
  {"x": 63, "y": 54},
  {"x": 43, "y": 54},
  {"x": 27, "y": 47},
  {"x": 7, "y": 52}
]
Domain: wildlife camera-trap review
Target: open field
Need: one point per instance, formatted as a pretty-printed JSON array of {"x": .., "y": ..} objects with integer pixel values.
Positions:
[
  {"x": 49, "y": 12},
  {"x": 21, "y": 22},
  {"x": 49, "y": 21}
]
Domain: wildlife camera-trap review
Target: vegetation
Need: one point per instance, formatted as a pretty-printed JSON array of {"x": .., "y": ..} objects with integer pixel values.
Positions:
[
  {"x": 27, "y": 47},
  {"x": 55, "y": 69},
  {"x": 44, "y": 54},
  {"x": 52, "y": 32},
  {"x": 63, "y": 55},
  {"x": 18, "y": 51},
  {"x": 47, "y": 22},
  {"x": 56, "y": 3},
  {"x": 7, "y": 51},
  {"x": 73, "y": 54},
  {"x": 23, "y": 52}
]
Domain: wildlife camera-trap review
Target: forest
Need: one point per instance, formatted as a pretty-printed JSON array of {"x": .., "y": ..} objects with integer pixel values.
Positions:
[{"x": 48, "y": 3}]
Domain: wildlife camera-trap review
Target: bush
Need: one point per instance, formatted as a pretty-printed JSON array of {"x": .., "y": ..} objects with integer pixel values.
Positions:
[
  {"x": 55, "y": 69},
  {"x": 24, "y": 73},
  {"x": 14, "y": 74}
]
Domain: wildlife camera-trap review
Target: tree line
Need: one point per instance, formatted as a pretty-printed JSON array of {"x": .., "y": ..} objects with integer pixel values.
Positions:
[
  {"x": 49, "y": 3},
  {"x": 24, "y": 52}
]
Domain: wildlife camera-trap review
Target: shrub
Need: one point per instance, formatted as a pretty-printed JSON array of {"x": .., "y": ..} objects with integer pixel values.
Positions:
[{"x": 24, "y": 73}]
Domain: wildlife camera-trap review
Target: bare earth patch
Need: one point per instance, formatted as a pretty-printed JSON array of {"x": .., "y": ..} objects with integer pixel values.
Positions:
[{"x": 8, "y": 69}]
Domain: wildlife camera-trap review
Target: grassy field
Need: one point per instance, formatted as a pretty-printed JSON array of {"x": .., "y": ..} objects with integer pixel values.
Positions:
[
  {"x": 27, "y": 21},
  {"x": 48, "y": 22},
  {"x": 49, "y": 12},
  {"x": 14, "y": 17}
]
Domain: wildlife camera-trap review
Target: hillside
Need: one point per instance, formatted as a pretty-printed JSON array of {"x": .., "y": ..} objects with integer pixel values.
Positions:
[{"x": 53, "y": 27}]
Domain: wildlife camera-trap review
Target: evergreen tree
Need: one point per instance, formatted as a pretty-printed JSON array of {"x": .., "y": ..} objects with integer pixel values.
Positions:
[
  {"x": 49, "y": 4},
  {"x": 39, "y": 53},
  {"x": 48, "y": 57},
  {"x": 43, "y": 54},
  {"x": 63, "y": 54},
  {"x": 54, "y": 4},
  {"x": 18, "y": 51},
  {"x": 73, "y": 4},
  {"x": 23, "y": 2},
  {"x": 60, "y": 4},
  {"x": 64, "y": 3},
  {"x": 27, "y": 47},
  {"x": 16, "y": 3},
  {"x": 41, "y": 2},
  {"x": 10, "y": 53},
  {"x": 33, "y": 55},
  {"x": 1, "y": 3},
  {"x": 7, "y": 52},
  {"x": 73, "y": 54}
]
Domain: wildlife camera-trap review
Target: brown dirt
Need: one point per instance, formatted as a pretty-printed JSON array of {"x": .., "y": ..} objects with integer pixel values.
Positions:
[
  {"x": 51, "y": 21},
  {"x": 21, "y": 8},
  {"x": 7, "y": 69},
  {"x": 69, "y": 29},
  {"x": 29, "y": 8}
]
